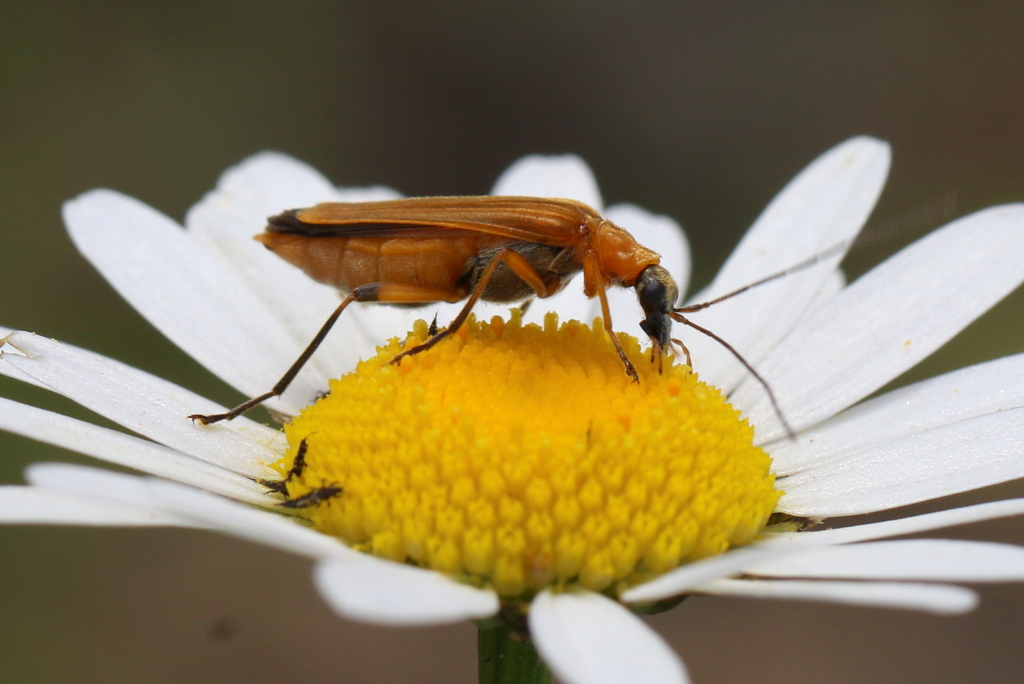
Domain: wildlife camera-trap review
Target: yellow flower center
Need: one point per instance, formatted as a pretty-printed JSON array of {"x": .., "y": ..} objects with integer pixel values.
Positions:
[{"x": 519, "y": 457}]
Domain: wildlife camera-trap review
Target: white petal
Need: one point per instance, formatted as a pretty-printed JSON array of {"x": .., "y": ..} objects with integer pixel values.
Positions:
[
  {"x": 911, "y": 525},
  {"x": 907, "y": 559},
  {"x": 888, "y": 320},
  {"x": 825, "y": 205},
  {"x": 38, "y": 506},
  {"x": 659, "y": 233},
  {"x": 967, "y": 393},
  {"x": 146, "y": 404},
  {"x": 9, "y": 370},
  {"x": 831, "y": 287},
  {"x": 369, "y": 193},
  {"x": 125, "y": 450},
  {"x": 226, "y": 221},
  {"x": 955, "y": 458},
  {"x": 189, "y": 294},
  {"x": 261, "y": 527},
  {"x": 92, "y": 483},
  {"x": 688, "y": 577},
  {"x": 202, "y": 508},
  {"x": 565, "y": 176},
  {"x": 933, "y": 598},
  {"x": 586, "y": 638},
  {"x": 380, "y": 592}
]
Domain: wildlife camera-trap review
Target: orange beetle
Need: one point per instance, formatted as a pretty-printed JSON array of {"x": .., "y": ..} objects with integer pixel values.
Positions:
[{"x": 445, "y": 249}]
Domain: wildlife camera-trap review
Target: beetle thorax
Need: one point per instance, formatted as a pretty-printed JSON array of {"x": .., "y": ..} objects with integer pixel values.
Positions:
[{"x": 619, "y": 255}]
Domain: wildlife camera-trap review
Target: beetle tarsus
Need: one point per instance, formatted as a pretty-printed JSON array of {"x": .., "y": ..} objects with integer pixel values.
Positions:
[
  {"x": 423, "y": 347},
  {"x": 289, "y": 375},
  {"x": 235, "y": 412}
]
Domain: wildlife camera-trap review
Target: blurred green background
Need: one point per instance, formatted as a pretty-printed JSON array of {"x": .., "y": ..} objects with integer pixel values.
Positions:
[{"x": 699, "y": 111}]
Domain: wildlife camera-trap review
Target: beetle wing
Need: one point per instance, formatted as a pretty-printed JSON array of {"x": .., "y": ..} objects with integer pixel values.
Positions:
[{"x": 558, "y": 222}]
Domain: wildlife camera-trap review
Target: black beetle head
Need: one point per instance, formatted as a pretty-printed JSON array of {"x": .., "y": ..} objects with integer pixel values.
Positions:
[{"x": 657, "y": 293}]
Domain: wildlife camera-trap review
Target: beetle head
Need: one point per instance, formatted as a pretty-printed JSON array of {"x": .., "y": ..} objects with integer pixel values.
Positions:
[{"x": 657, "y": 293}]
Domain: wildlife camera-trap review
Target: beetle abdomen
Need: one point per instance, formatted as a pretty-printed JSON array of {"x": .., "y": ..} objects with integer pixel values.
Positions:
[{"x": 347, "y": 263}]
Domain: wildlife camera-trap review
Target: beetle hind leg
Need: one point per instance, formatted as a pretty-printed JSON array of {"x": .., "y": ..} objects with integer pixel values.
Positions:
[{"x": 392, "y": 293}]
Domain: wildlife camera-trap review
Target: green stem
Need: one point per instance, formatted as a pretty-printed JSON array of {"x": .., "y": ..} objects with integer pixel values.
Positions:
[{"x": 507, "y": 656}]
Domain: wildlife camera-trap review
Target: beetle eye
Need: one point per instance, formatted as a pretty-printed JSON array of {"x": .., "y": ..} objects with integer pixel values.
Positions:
[{"x": 651, "y": 295}]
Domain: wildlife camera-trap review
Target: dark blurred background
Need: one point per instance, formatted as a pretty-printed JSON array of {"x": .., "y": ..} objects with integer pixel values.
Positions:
[{"x": 699, "y": 111}]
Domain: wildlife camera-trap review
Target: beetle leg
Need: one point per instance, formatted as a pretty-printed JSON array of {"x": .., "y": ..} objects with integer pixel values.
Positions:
[
  {"x": 607, "y": 316},
  {"x": 522, "y": 268},
  {"x": 394, "y": 293},
  {"x": 515, "y": 261},
  {"x": 685, "y": 351},
  {"x": 595, "y": 282}
]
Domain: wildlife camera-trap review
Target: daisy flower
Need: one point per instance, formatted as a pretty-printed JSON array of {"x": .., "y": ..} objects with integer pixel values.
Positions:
[{"x": 513, "y": 475}]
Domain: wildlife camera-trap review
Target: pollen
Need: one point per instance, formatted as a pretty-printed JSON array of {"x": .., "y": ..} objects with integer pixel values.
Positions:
[{"x": 518, "y": 457}]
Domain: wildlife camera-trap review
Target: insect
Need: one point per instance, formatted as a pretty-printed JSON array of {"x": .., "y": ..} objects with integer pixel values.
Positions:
[
  {"x": 307, "y": 500},
  {"x": 501, "y": 249},
  {"x": 298, "y": 466},
  {"x": 312, "y": 498}
]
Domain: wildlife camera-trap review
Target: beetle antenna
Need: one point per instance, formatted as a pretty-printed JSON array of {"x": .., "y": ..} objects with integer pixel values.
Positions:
[
  {"x": 837, "y": 248},
  {"x": 771, "y": 395},
  {"x": 676, "y": 314}
]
